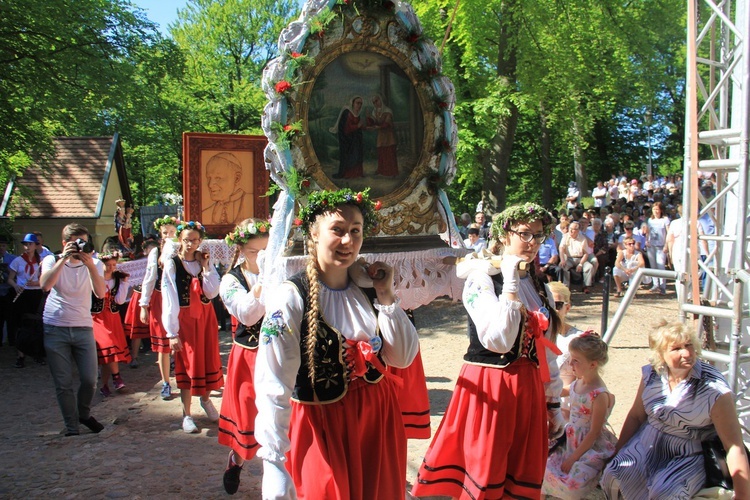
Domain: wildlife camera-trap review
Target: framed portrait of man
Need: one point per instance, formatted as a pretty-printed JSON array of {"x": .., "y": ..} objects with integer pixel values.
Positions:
[{"x": 224, "y": 180}]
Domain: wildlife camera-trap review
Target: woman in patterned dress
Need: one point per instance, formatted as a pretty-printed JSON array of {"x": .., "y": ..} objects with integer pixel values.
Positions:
[{"x": 680, "y": 402}]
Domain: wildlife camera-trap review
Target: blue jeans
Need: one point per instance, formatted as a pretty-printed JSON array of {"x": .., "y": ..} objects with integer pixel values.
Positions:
[{"x": 65, "y": 345}]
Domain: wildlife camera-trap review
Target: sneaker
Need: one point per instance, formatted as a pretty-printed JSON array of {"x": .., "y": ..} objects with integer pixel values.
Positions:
[
  {"x": 20, "y": 362},
  {"x": 166, "y": 390},
  {"x": 210, "y": 410},
  {"x": 188, "y": 425},
  {"x": 231, "y": 478},
  {"x": 104, "y": 391},
  {"x": 92, "y": 424},
  {"x": 117, "y": 382},
  {"x": 134, "y": 363}
]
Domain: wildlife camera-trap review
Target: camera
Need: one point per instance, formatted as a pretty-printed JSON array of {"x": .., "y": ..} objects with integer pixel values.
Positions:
[{"x": 84, "y": 246}]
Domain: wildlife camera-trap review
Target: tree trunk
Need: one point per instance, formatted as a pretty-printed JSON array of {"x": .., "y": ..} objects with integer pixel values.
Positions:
[
  {"x": 579, "y": 160},
  {"x": 544, "y": 163},
  {"x": 501, "y": 146}
]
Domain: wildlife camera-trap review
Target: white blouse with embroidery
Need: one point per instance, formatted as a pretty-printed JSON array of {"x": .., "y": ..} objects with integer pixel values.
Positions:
[
  {"x": 241, "y": 303},
  {"x": 349, "y": 312}
]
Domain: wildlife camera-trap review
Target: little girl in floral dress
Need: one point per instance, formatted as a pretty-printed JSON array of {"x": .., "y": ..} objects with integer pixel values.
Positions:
[{"x": 573, "y": 470}]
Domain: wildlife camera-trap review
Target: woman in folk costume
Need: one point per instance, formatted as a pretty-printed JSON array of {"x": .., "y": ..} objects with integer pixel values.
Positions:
[
  {"x": 135, "y": 329},
  {"x": 188, "y": 285},
  {"x": 151, "y": 301},
  {"x": 493, "y": 440},
  {"x": 329, "y": 423},
  {"x": 111, "y": 345},
  {"x": 241, "y": 292}
]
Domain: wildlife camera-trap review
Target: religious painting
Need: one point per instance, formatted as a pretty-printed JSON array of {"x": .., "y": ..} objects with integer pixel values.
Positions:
[
  {"x": 365, "y": 122},
  {"x": 224, "y": 180}
]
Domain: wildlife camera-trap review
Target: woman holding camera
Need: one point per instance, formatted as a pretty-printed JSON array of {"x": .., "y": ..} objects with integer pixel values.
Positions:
[
  {"x": 188, "y": 285},
  {"x": 111, "y": 345}
]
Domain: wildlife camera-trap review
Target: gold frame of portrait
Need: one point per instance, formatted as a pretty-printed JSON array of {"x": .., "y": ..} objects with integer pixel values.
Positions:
[
  {"x": 372, "y": 32},
  {"x": 194, "y": 178}
]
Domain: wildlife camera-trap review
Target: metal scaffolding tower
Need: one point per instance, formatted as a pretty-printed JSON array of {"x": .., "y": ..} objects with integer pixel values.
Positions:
[{"x": 716, "y": 141}]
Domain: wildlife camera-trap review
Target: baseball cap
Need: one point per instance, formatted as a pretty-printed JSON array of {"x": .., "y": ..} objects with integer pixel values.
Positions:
[
  {"x": 31, "y": 238},
  {"x": 634, "y": 181}
]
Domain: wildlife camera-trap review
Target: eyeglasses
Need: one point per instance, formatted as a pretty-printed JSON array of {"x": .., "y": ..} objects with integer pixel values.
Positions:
[
  {"x": 526, "y": 236},
  {"x": 559, "y": 305}
]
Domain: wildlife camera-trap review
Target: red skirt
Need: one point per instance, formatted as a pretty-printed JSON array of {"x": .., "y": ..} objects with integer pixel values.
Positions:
[
  {"x": 492, "y": 441},
  {"x": 159, "y": 340},
  {"x": 134, "y": 327},
  {"x": 237, "y": 416},
  {"x": 111, "y": 345},
  {"x": 413, "y": 399},
  {"x": 354, "y": 448},
  {"x": 198, "y": 365}
]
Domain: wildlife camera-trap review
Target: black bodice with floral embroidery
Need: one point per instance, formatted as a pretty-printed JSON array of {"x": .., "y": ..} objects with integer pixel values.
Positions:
[
  {"x": 332, "y": 374},
  {"x": 524, "y": 346},
  {"x": 97, "y": 304}
]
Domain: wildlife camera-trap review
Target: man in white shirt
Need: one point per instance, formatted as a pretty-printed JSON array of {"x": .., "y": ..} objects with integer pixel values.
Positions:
[
  {"x": 572, "y": 198},
  {"x": 68, "y": 326},
  {"x": 599, "y": 194},
  {"x": 575, "y": 253}
]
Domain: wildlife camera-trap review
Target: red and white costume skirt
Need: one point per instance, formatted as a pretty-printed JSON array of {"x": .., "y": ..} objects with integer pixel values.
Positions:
[
  {"x": 159, "y": 340},
  {"x": 237, "y": 415},
  {"x": 198, "y": 365},
  {"x": 134, "y": 327},
  {"x": 111, "y": 345},
  {"x": 354, "y": 448},
  {"x": 414, "y": 400},
  {"x": 492, "y": 441}
]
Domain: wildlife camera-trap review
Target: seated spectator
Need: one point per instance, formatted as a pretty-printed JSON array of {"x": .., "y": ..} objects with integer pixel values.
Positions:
[
  {"x": 681, "y": 401},
  {"x": 474, "y": 242},
  {"x": 627, "y": 263},
  {"x": 549, "y": 260},
  {"x": 575, "y": 253}
]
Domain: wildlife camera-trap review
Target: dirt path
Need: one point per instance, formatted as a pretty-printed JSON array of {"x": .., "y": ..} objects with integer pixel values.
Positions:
[{"x": 143, "y": 453}]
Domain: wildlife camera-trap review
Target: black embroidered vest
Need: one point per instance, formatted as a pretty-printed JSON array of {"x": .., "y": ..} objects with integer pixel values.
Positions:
[
  {"x": 332, "y": 375},
  {"x": 182, "y": 279},
  {"x": 97, "y": 304},
  {"x": 524, "y": 346},
  {"x": 245, "y": 336}
]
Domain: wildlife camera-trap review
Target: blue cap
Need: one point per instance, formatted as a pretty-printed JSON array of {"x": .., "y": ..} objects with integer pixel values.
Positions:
[{"x": 31, "y": 238}]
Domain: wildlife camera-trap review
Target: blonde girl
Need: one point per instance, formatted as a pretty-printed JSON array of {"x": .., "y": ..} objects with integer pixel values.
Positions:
[{"x": 573, "y": 470}]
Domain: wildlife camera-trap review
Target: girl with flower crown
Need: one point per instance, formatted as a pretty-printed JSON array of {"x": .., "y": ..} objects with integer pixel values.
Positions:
[
  {"x": 189, "y": 283},
  {"x": 493, "y": 439},
  {"x": 329, "y": 423},
  {"x": 241, "y": 293},
  {"x": 111, "y": 344},
  {"x": 150, "y": 301}
]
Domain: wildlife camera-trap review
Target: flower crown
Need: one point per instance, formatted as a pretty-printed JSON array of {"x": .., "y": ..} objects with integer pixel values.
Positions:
[
  {"x": 110, "y": 255},
  {"x": 243, "y": 234},
  {"x": 167, "y": 220},
  {"x": 192, "y": 226},
  {"x": 527, "y": 212},
  {"x": 321, "y": 202}
]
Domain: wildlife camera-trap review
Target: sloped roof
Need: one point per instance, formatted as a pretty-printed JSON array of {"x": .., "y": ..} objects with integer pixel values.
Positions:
[{"x": 74, "y": 183}]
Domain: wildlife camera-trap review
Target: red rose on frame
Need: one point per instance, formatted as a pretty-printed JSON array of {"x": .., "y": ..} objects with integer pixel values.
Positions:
[
  {"x": 295, "y": 55},
  {"x": 283, "y": 86},
  {"x": 297, "y": 222},
  {"x": 378, "y": 205}
]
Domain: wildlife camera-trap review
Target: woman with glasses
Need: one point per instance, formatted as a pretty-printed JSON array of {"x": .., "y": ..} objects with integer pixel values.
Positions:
[
  {"x": 189, "y": 283},
  {"x": 493, "y": 440},
  {"x": 628, "y": 261}
]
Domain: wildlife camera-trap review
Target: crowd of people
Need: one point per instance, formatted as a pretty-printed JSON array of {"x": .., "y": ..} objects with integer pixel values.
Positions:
[{"x": 322, "y": 365}]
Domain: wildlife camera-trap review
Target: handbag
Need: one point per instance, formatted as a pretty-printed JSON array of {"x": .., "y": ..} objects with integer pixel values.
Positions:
[{"x": 715, "y": 463}]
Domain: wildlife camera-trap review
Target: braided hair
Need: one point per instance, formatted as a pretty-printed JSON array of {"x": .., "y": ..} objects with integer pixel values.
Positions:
[{"x": 313, "y": 307}]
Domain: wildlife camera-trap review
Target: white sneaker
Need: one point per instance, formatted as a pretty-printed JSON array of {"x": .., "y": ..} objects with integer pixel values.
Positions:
[
  {"x": 210, "y": 410},
  {"x": 188, "y": 425}
]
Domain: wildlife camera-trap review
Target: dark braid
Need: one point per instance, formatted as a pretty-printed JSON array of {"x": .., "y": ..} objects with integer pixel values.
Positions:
[{"x": 554, "y": 319}]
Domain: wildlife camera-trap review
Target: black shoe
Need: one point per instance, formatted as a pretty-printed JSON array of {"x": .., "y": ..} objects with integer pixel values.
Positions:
[
  {"x": 20, "y": 362},
  {"x": 68, "y": 434},
  {"x": 92, "y": 424},
  {"x": 232, "y": 476}
]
